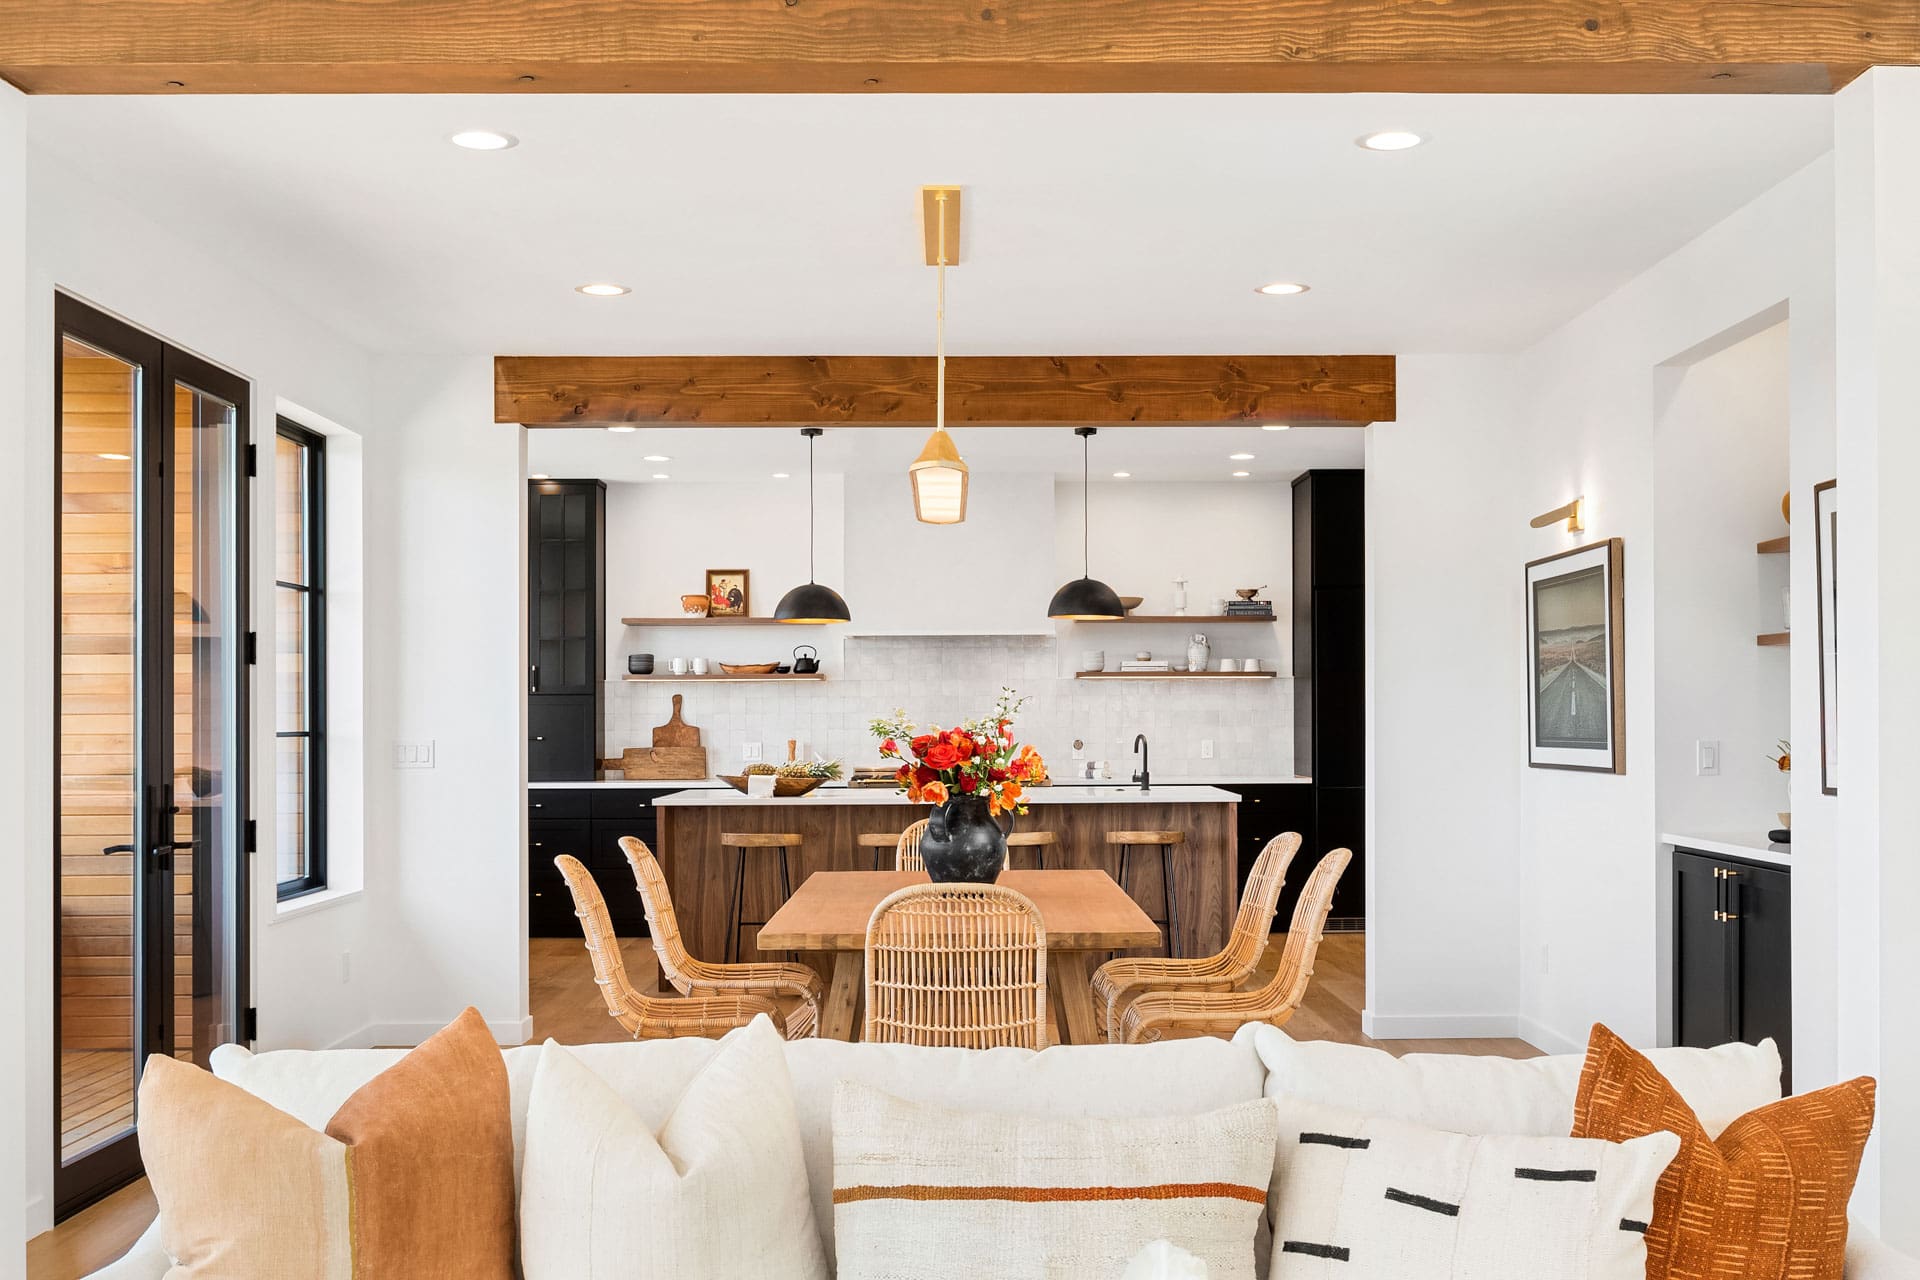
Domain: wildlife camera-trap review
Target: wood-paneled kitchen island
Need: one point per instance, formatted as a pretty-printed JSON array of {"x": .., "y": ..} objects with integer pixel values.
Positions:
[{"x": 700, "y": 871}]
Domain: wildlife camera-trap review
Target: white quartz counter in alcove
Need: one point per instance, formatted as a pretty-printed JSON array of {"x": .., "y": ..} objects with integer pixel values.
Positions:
[{"x": 876, "y": 796}]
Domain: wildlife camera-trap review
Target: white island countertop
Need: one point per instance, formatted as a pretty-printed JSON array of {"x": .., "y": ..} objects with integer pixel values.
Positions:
[
  {"x": 1169, "y": 794},
  {"x": 1736, "y": 844},
  {"x": 1109, "y": 784}
]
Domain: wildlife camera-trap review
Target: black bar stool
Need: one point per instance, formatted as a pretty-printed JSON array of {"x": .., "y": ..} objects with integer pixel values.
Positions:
[
  {"x": 740, "y": 842},
  {"x": 1038, "y": 841},
  {"x": 1165, "y": 842}
]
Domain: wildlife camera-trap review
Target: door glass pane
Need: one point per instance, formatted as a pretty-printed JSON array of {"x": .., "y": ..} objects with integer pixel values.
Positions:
[
  {"x": 207, "y": 634},
  {"x": 98, "y": 728}
]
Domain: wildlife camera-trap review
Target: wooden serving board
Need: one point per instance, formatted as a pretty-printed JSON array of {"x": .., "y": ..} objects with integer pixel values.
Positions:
[
  {"x": 664, "y": 762},
  {"x": 676, "y": 732}
]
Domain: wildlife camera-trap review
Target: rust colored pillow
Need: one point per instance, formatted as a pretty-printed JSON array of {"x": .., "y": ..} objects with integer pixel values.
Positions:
[
  {"x": 1768, "y": 1201},
  {"x": 431, "y": 1142}
]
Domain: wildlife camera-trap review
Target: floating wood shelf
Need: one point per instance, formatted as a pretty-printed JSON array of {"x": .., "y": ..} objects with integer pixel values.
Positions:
[
  {"x": 685, "y": 620},
  {"x": 1775, "y": 546},
  {"x": 1208, "y": 618},
  {"x": 1774, "y": 638},
  {"x": 1176, "y": 675},
  {"x": 721, "y": 677}
]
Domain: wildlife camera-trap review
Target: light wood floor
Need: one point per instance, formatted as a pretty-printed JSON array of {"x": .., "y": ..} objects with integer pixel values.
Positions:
[
  {"x": 96, "y": 1097},
  {"x": 567, "y": 1007}
]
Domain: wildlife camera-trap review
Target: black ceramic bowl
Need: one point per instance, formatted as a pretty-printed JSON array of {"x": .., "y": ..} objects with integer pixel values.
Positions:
[{"x": 640, "y": 664}]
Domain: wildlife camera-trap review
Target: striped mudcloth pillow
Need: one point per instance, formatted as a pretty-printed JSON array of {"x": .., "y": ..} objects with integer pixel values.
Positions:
[
  {"x": 1359, "y": 1198},
  {"x": 927, "y": 1193}
]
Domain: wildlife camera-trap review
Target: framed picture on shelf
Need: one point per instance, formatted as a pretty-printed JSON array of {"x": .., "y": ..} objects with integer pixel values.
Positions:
[
  {"x": 1826, "y": 536},
  {"x": 1576, "y": 650},
  {"x": 727, "y": 591}
]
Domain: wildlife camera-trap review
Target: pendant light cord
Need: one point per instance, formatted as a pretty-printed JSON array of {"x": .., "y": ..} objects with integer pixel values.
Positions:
[
  {"x": 940, "y": 323},
  {"x": 1086, "y": 506},
  {"x": 811, "y": 569}
]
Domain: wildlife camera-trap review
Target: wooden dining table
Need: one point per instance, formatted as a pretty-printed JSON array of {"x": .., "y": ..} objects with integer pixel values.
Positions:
[{"x": 1084, "y": 911}]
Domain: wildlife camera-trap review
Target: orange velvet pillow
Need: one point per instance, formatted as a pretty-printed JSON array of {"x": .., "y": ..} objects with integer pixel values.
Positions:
[{"x": 1768, "y": 1201}]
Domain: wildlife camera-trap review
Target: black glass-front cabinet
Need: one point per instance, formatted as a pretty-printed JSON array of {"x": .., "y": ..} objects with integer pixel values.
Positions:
[
  {"x": 1732, "y": 953},
  {"x": 566, "y": 627}
]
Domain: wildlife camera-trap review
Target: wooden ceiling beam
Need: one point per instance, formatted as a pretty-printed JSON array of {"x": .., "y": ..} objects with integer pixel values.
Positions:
[
  {"x": 982, "y": 391},
  {"x": 952, "y": 46}
]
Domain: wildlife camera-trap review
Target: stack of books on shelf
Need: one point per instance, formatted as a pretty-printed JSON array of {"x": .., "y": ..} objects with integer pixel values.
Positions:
[
  {"x": 1250, "y": 608},
  {"x": 1158, "y": 664}
]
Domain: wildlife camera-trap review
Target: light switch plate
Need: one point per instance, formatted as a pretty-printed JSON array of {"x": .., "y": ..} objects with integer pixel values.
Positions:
[
  {"x": 1706, "y": 758},
  {"x": 413, "y": 755},
  {"x": 750, "y": 753}
]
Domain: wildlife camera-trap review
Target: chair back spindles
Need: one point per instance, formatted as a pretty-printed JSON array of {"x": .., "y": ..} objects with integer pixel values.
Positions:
[
  {"x": 906, "y": 854},
  {"x": 957, "y": 965}
]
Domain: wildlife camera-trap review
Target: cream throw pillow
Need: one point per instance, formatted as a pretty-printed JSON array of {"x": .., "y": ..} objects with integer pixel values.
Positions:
[
  {"x": 721, "y": 1190},
  {"x": 1374, "y": 1199},
  {"x": 927, "y": 1193}
]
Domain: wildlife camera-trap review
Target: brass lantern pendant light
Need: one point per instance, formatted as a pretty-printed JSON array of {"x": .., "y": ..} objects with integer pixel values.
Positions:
[
  {"x": 811, "y": 602},
  {"x": 1086, "y": 598},
  {"x": 939, "y": 474}
]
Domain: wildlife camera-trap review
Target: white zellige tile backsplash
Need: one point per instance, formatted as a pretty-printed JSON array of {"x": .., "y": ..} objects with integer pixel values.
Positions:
[{"x": 951, "y": 678}]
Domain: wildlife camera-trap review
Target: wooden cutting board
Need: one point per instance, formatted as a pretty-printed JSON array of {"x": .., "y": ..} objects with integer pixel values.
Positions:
[
  {"x": 676, "y": 732},
  {"x": 664, "y": 762}
]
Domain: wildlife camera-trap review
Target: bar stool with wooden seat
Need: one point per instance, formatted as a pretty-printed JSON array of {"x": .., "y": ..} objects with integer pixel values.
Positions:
[
  {"x": 1165, "y": 841},
  {"x": 882, "y": 843},
  {"x": 1038, "y": 841},
  {"x": 740, "y": 842}
]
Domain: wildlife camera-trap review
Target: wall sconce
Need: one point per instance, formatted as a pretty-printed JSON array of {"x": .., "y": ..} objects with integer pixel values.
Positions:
[{"x": 1572, "y": 513}]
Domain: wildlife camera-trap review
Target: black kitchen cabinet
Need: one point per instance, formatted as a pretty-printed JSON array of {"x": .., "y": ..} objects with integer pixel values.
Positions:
[
  {"x": 566, "y": 627},
  {"x": 1267, "y": 810},
  {"x": 1732, "y": 953},
  {"x": 1329, "y": 680},
  {"x": 586, "y": 822}
]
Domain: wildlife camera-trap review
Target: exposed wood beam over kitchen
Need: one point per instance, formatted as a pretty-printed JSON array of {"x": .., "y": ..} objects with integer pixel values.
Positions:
[
  {"x": 952, "y": 46},
  {"x": 982, "y": 391}
]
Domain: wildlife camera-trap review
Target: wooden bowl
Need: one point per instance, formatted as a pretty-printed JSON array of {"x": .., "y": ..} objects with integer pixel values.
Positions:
[
  {"x": 782, "y": 787},
  {"x": 1130, "y": 603},
  {"x": 749, "y": 668}
]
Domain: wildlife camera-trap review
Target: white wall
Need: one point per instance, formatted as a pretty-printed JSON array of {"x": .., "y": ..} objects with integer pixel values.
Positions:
[
  {"x": 1878, "y": 292},
  {"x": 21, "y": 736},
  {"x": 1720, "y": 466}
]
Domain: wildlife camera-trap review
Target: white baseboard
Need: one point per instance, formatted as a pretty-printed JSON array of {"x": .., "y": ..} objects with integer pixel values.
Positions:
[
  {"x": 1547, "y": 1040},
  {"x": 39, "y": 1218},
  {"x": 1444, "y": 1026},
  {"x": 506, "y": 1031},
  {"x": 359, "y": 1038}
]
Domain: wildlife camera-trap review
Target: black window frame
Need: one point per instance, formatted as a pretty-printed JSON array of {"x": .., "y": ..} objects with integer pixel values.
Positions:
[{"x": 315, "y": 589}]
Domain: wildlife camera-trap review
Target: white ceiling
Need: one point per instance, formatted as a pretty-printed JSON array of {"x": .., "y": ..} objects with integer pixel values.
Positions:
[
  {"x": 1151, "y": 454},
  {"x": 1094, "y": 224}
]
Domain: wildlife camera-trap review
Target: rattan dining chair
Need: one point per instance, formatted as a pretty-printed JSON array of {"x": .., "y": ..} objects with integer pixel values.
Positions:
[
  {"x": 646, "y": 1017},
  {"x": 701, "y": 978},
  {"x": 1151, "y": 1016},
  {"x": 957, "y": 965},
  {"x": 906, "y": 854},
  {"x": 1119, "y": 981}
]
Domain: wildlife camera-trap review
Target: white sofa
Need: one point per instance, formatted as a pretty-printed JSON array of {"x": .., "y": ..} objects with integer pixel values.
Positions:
[{"x": 1179, "y": 1077}]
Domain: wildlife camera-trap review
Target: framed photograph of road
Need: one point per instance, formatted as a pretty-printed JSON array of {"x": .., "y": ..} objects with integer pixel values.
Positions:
[{"x": 1576, "y": 646}]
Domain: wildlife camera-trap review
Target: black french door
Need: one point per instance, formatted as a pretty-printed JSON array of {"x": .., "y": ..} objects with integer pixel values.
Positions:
[{"x": 151, "y": 647}]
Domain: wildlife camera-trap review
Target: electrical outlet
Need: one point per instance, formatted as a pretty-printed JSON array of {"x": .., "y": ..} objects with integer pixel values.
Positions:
[
  {"x": 346, "y": 966},
  {"x": 1546, "y": 958},
  {"x": 413, "y": 755},
  {"x": 750, "y": 753},
  {"x": 1706, "y": 758},
  {"x": 1206, "y": 748}
]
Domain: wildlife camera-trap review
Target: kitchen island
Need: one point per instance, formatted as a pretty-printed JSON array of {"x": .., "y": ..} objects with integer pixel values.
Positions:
[{"x": 830, "y": 821}]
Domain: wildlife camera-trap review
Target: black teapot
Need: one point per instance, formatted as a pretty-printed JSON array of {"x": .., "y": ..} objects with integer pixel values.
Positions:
[{"x": 808, "y": 664}]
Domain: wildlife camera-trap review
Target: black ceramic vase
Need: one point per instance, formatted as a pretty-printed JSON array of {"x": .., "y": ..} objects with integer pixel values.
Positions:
[{"x": 962, "y": 843}]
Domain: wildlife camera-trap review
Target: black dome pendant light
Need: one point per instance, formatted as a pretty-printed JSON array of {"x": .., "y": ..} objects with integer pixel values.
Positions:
[
  {"x": 811, "y": 602},
  {"x": 1085, "y": 599}
]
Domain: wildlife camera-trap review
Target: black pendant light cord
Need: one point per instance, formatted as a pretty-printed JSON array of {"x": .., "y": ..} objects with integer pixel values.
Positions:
[
  {"x": 1086, "y": 499},
  {"x": 810, "y": 433}
]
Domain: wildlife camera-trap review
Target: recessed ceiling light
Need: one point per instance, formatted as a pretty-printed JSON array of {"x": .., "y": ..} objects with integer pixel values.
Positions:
[
  {"x": 1122, "y": 475},
  {"x": 602, "y": 289},
  {"x": 1275, "y": 426},
  {"x": 538, "y": 475},
  {"x": 779, "y": 475},
  {"x": 655, "y": 457},
  {"x": 116, "y": 457},
  {"x": 1241, "y": 475},
  {"x": 1281, "y": 288},
  {"x": 1391, "y": 140},
  {"x": 623, "y": 430},
  {"x": 483, "y": 140},
  {"x": 1239, "y": 457},
  {"x": 661, "y": 475}
]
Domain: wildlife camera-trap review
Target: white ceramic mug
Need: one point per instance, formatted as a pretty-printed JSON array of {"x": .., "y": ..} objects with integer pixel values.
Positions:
[
  {"x": 699, "y": 666},
  {"x": 1228, "y": 664},
  {"x": 678, "y": 666},
  {"x": 1250, "y": 664}
]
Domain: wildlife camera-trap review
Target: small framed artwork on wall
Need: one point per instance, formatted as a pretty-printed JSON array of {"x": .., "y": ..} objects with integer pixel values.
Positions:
[
  {"x": 727, "y": 590},
  {"x": 1576, "y": 649}
]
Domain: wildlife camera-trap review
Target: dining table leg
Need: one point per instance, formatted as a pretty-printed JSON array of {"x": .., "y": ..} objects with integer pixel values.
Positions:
[
  {"x": 1072, "y": 984},
  {"x": 843, "y": 996}
]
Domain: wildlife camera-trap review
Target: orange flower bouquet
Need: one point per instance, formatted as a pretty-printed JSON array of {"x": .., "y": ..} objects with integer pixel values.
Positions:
[{"x": 978, "y": 758}]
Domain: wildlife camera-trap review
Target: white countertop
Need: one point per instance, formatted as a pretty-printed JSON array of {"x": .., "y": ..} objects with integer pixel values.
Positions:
[
  {"x": 694, "y": 784},
  {"x": 1168, "y": 794},
  {"x": 1737, "y": 844}
]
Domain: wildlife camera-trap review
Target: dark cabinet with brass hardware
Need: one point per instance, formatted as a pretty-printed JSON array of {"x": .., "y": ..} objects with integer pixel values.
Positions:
[{"x": 1732, "y": 953}]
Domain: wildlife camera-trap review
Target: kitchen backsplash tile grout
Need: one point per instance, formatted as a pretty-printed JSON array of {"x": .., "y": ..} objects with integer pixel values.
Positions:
[{"x": 949, "y": 678}]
